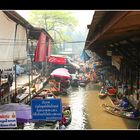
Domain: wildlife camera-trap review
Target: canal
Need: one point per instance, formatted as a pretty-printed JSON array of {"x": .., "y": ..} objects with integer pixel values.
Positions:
[{"x": 87, "y": 111}]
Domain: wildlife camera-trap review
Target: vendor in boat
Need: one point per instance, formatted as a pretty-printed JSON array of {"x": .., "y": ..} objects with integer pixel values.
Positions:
[
  {"x": 64, "y": 83},
  {"x": 136, "y": 113},
  {"x": 63, "y": 120},
  {"x": 123, "y": 102}
]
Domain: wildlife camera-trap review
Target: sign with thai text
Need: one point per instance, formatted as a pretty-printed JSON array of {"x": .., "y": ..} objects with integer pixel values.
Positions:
[
  {"x": 47, "y": 109},
  {"x": 8, "y": 119}
]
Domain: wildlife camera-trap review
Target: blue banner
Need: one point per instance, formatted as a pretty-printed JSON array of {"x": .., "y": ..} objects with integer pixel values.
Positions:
[{"x": 47, "y": 109}]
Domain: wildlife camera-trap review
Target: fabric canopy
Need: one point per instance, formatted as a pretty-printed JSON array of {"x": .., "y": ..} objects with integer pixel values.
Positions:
[
  {"x": 20, "y": 52},
  {"x": 49, "y": 47},
  {"x": 57, "y": 60},
  {"x": 7, "y": 32},
  {"x": 41, "y": 50},
  {"x": 61, "y": 73},
  {"x": 11, "y": 47}
]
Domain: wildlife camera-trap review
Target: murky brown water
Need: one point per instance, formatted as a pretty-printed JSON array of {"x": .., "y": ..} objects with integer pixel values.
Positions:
[{"x": 87, "y": 112}]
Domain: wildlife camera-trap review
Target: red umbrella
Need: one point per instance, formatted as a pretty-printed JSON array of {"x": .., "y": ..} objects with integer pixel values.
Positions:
[{"x": 61, "y": 73}]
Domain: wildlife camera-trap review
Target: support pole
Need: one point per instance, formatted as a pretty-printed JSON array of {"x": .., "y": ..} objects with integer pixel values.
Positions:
[
  {"x": 16, "y": 62},
  {"x": 131, "y": 81},
  {"x": 29, "y": 86},
  {"x": 0, "y": 76},
  {"x": 15, "y": 79},
  {"x": 137, "y": 73}
]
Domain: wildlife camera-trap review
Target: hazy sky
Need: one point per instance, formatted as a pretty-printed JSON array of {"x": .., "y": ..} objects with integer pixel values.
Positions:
[{"x": 83, "y": 16}]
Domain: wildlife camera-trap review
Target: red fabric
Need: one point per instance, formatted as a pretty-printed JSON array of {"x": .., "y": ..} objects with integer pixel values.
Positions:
[
  {"x": 41, "y": 50},
  {"x": 63, "y": 120},
  {"x": 49, "y": 48},
  {"x": 57, "y": 60},
  {"x": 112, "y": 91}
]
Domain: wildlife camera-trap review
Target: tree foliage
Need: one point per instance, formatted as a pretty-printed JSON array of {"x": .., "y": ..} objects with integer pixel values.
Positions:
[{"x": 54, "y": 22}]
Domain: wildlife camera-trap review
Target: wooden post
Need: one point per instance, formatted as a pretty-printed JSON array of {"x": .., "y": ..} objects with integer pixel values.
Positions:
[
  {"x": 131, "y": 80},
  {"x": 29, "y": 79},
  {"x": 137, "y": 73},
  {"x": 122, "y": 72},
  {"x": 16, "y": 62},
  {"x": 0, "y": 78},
  {"x": 29, "y": 86},
  {"x": 15, "y": 79}
]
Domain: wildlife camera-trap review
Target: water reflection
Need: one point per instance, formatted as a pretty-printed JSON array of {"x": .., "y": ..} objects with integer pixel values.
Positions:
[
  {"x": 87, "y": 111},
  {"x": 77, "y": 104}
]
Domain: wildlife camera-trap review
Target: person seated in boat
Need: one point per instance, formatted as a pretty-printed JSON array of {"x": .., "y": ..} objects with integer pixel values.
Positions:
[
  {"x": 136, "y": 113},
  {"x": 63, "y": 120},
  {"x": 123, "y": 102},
  {"x": 111, "y": 90},
  {"x": 64, "y": 83},
  {"x": 66, "y": 113}
]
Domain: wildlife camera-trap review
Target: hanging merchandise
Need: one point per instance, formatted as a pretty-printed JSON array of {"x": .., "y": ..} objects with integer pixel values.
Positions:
[{"x": 116, "y": 61}]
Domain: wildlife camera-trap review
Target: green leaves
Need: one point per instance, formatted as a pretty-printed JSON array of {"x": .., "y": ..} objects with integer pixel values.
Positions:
[{"x": 56, "y": 22}]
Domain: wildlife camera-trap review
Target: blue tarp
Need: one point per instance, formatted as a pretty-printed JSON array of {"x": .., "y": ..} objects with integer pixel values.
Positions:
[{"x": 84, "y": 56}]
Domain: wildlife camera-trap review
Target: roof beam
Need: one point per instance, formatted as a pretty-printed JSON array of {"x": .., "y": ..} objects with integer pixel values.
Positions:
[{"x": 114, "y": 19}]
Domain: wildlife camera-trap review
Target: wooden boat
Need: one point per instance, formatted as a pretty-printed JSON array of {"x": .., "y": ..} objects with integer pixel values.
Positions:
[
  {"x": 120, "y": 113},
  {"x": 102, "y": 93},
  {"x": 50, "y": 95},
  {"x": 82, "y": 83},
  {"x": 38, "y": 97},
  {"x": 46, "y": 124},
  {"x": 138, "y": 126},
  {"x": 41, "y": 125},
  {"x": 45, "y": 94},
  {"x": 74, "y": 83},
  {"x": 116, "y": 102},
  {"x": 55, "y": 91}
]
